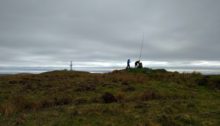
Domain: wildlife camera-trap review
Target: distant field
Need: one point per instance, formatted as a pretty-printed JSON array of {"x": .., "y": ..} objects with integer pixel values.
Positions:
[
  {"x": 15, "y": 70},
  {"x": 135, "y": 97}
]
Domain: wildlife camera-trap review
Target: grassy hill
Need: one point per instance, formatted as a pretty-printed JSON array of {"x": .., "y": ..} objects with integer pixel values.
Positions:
[{"x": 134, "y": 97}]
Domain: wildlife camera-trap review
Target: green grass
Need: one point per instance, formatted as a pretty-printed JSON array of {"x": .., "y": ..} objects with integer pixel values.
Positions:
[{"x": 141, "y": 97}]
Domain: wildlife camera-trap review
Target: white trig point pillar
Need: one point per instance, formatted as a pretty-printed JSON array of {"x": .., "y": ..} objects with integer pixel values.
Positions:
[{"x": 71, "y": 65}]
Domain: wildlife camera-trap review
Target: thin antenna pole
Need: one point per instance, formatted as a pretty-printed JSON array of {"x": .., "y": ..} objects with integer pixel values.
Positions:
[{"x": 142, "y": 44}]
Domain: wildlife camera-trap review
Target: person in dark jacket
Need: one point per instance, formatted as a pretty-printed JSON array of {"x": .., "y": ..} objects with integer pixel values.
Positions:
[{"x": 128, "y": 64}]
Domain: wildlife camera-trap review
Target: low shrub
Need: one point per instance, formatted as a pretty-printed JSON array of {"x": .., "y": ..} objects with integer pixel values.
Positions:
[
  {"x": 7, "y": 109},
  {"x": 108, "y": 98},
  {"x": 85, "y": 87},
  {"x": 15, "y": 104},
  {"x": 80, "y": 101},
  {"x": 150, "y": 95},
  {"x": 166, "y": 120},
  {"x": 128, "y": 88},
  {"x": 120, "y": 97}
]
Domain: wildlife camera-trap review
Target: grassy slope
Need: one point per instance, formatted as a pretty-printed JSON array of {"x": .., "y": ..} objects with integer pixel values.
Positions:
[{"x": 139, "y": 97}]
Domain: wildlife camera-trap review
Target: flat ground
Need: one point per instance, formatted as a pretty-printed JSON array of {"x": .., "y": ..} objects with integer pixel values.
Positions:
[{"x": 135, "y": 97}]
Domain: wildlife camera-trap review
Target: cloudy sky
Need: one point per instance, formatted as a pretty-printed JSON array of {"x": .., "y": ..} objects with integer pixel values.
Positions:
[{"x": 108, "y": 32}]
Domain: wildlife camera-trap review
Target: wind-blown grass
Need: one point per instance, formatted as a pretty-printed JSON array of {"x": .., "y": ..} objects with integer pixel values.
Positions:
[{"x": 127, "y": 97}]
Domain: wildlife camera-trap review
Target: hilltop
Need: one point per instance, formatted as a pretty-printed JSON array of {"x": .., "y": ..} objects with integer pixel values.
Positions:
[{"x": 134, "y": 97}]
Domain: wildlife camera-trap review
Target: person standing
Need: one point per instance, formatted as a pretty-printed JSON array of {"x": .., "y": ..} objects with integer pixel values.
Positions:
[{"x": 128, "y": 64}]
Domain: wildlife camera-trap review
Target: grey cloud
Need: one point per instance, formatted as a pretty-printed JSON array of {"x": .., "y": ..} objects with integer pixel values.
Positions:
[{"x": 53, "y": 31}]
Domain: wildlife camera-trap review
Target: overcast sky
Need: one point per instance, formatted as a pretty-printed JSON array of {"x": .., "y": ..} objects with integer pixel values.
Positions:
[{"x": 53, "y": 32}]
